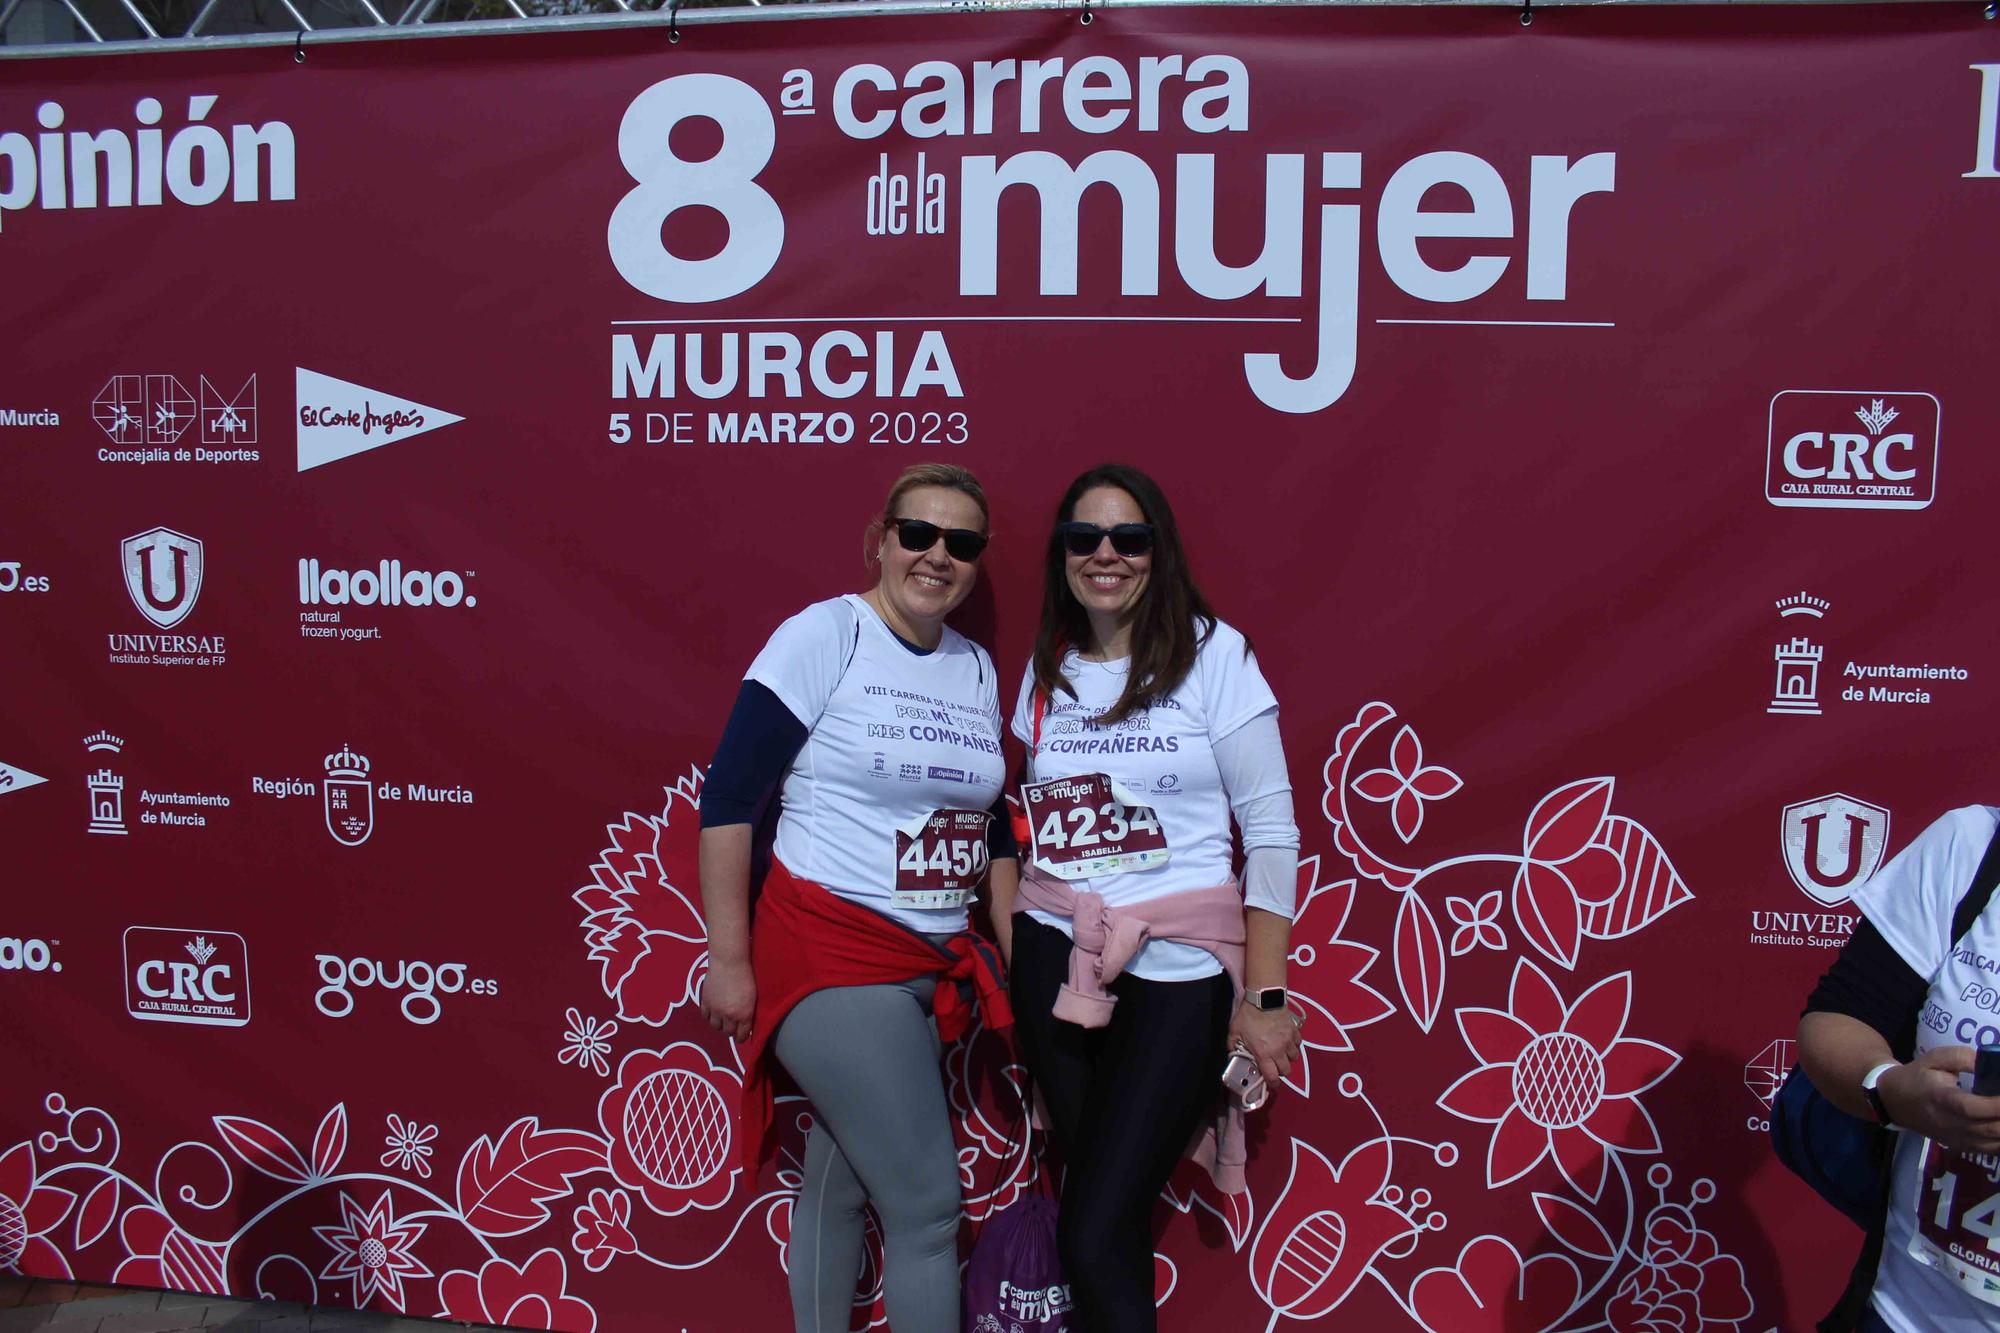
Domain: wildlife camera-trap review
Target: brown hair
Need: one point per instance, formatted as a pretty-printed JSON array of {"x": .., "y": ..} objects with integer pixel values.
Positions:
[{"x": 1173, "y": 620}]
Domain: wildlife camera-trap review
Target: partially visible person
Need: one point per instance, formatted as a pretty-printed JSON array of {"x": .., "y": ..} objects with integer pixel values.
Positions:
[
  {"x": 1886, "y": 1036},
  {"x": 878, "y": 729},
  {"x": 1137, "y": 953}
]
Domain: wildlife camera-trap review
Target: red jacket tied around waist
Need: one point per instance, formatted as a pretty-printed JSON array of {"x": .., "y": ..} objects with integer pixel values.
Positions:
[{"x": 806, "y": 938}]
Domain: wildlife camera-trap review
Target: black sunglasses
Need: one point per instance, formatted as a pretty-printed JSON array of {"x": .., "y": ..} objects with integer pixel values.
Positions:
[
  {"x": 916, "y": 534},
  {"x": 1126, "y": 538}
]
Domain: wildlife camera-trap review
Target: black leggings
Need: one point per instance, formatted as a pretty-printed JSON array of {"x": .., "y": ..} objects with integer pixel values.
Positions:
[{"x": 1125, "y": 1100}]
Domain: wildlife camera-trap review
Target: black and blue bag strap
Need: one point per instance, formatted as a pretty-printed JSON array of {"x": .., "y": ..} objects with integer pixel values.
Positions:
[
  {"x": 1847, "y": 1312},
  {"x": 1979, "y": 893}
]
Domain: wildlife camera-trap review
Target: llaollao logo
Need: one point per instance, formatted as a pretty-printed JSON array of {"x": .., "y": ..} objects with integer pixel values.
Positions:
[{"x": 28, "y": 955}]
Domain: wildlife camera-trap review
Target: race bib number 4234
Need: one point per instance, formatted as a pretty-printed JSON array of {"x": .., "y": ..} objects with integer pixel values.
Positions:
[
  {"x": 1088, "y": 825},
  {"x": 1958, "y": 1219},
  {"x": 940, "y": 859}
]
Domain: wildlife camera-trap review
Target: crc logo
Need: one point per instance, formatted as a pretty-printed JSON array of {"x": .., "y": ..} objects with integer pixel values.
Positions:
[
  {"x": 1832, "y": 845},
  {"x": 421, "y": 983},
  {"x": 163, "y": 570},
  {"x": 187, "y": 976},
  {"x": 18, "y": 955},
  {"x": 1841, "y": 449}
]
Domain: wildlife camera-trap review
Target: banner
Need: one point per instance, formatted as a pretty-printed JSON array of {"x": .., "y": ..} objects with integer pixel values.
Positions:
[{"x": 406, "y": 451}]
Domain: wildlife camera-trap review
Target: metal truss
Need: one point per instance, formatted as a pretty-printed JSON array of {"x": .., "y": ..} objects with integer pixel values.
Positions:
[{"x": 76, "y": 27}]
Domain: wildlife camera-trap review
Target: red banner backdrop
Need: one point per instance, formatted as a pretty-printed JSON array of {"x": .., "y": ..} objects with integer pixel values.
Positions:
[{"x": 406, "y": 450}]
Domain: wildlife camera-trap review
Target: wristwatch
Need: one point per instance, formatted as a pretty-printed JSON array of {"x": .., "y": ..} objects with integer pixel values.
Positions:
[
  {"x": 1873, "y": 1093},
  {"x": 1267, "y": 998}
]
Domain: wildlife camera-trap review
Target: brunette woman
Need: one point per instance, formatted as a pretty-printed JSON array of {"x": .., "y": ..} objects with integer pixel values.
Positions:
[{"x": 1149, "y": 727}]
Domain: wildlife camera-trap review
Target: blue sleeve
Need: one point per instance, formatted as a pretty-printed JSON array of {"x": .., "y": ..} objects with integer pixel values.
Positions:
[
  {"x": 758, "y": 744},
  {"x": 1000, "y": 842}
]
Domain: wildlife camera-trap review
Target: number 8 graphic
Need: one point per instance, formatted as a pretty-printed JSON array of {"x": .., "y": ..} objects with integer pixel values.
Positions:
[{"x": 725, "y": 183}]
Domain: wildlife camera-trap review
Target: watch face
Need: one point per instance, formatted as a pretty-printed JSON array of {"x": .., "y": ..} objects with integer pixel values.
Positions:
[{"x": 1271, "y": 997}]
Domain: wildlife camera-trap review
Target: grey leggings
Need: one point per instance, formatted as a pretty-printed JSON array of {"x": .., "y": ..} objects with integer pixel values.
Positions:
[{"x": 867, "y": 1056}]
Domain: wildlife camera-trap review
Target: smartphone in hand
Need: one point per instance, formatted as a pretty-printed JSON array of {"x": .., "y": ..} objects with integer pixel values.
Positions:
[{"x": 1986, "y": 1072}]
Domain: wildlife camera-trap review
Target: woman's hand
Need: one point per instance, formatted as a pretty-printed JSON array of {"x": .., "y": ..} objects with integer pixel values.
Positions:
[
  {"x": 729, "y": 998},
  {"x": 1924, "y": 1096},
  {"x": 1272, "y": 1036}
]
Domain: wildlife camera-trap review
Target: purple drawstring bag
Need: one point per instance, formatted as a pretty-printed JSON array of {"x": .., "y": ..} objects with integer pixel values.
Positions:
[{"x": 1013, "y": 1281}]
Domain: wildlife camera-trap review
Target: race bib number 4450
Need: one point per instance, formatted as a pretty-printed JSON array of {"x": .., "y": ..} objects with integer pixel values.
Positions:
[
  {"x": 940, "y": 859},
  {"x": 1088, "y": 825},
  {"x": 1958, "y": 1219}
]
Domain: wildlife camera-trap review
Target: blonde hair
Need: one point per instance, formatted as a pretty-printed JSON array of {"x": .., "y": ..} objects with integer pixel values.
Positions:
[{"x": 946, "y": 476}]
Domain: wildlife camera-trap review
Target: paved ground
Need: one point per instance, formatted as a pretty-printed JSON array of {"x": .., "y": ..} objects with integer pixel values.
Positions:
[{"x": 65, "y": 1307}]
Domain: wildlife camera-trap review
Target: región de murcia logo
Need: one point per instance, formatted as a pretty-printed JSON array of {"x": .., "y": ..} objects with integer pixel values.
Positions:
[
  {"x": 350, "y": 790},
  {"x": 350, "y": 807}
]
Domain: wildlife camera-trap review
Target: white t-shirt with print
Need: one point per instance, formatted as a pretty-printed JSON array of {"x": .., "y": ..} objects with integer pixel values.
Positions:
[
  {"x": 1164, "y": 757},
  {"x": 1911, "y": 902},
  {"x": 892, "y": 735}
]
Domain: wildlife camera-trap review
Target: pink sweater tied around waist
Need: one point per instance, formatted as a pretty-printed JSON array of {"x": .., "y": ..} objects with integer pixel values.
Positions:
[{"x": 1106, "y": 938}]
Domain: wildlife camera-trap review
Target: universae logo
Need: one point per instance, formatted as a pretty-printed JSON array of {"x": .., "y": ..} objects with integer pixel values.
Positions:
[
  {"x": 1833, "y": 844},
  {"x": 163, "y": 571}
]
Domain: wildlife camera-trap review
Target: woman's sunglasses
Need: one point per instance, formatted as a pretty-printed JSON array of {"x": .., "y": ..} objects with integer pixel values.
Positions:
[
  {"x": 961, "y": 544},
  {"x": 1126, "y": 538}
]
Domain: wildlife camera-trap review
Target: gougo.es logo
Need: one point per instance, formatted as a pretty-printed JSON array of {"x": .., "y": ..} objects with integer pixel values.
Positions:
[{"x": 421, "y": 985}]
